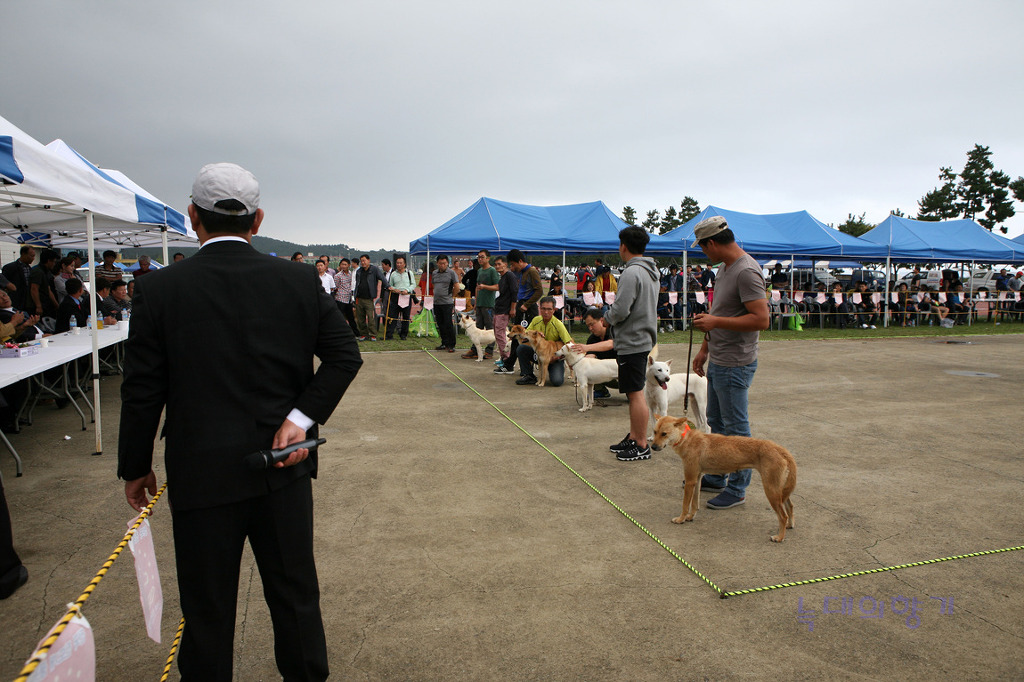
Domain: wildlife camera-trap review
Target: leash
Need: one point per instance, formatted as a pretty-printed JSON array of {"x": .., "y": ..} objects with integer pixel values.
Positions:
[
  {"x": 686, "y": 396},
  {"x": 575, "y": 380}
]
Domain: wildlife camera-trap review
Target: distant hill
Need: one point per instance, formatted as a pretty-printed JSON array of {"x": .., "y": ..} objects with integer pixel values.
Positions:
[{"x": 280, "y": 247}]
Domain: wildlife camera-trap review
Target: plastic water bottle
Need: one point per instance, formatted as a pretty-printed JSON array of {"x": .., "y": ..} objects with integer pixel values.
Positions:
[{"x": 74, "y": 325}]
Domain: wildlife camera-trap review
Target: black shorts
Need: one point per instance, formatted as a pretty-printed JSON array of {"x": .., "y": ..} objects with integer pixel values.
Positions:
[{"x": 632, "y": 371}]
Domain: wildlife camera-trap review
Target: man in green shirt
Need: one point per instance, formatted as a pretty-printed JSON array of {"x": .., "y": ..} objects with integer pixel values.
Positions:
[
  {"x": 486, "y": 289},
  {"x": 553, "y": 330}
]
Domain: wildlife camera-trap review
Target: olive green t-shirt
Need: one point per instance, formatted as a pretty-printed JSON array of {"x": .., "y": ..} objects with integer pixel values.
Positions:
[{"x": 485, "y": 297}]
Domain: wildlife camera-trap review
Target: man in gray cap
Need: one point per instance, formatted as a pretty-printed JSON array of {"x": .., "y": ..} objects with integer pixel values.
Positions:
[
  {"x": 738, "y": 312},
  {"x": 244, "y": 383}
]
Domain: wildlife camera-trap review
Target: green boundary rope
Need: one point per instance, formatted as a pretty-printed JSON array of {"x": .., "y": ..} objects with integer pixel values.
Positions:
[{"x": 721, "y": 593}]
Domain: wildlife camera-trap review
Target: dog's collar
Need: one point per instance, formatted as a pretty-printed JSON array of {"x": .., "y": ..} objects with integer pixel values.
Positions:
[{"x": 573, "y": 364}]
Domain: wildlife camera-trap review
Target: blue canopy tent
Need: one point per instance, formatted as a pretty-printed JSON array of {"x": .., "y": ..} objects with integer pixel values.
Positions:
[
  {"x": 779, "y": 234},
  {"x": 1019, "y": 240},
  {"x": 947, "y": 241},
  {"x": 541, "y": 230}
]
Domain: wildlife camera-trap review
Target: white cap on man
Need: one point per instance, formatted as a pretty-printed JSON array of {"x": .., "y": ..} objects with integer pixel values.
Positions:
[{"x": 226, "y": 188}]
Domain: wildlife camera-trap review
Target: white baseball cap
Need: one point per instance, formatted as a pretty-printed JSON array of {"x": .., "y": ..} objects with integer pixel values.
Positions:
[{"x": 220, "y": 183}]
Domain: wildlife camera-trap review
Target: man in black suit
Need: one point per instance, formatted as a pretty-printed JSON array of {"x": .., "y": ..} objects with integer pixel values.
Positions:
[
  {"x": 70, "y": 307},
  {"x": 226, "y": 340}
]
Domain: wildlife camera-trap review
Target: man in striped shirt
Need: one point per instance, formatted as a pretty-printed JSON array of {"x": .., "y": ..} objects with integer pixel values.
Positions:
[{"x": 343, "y": 293}]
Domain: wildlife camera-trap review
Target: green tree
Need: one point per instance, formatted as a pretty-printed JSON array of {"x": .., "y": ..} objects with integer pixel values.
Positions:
[
  {"x": 1017, "y": 187},
  {"x": 652, "y": 220},
  {"x": 629, "y": 215},
  {"x": 855, "y": 225},
  {"x": 898, "y": 213},
  {"x": 670, "y": 221},
  {"x": 975, "y": 186},
  {"x": 940, "y": 203},
  {"x": 688, "y": 208}
]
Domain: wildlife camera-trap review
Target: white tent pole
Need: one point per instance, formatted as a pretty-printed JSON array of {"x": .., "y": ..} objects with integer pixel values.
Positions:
[
  {"x": 970, "y": 292},
  {"x": 89, "y": 232},
  {"x": 686, "y": 284},
  {"x": 163, "y": 239},
  {"x": 885, "y": 293}
]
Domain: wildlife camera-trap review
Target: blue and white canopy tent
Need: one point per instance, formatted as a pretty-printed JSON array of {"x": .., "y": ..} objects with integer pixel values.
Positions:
[
  {"x": 43, "y": 192},
  {"x": 173, "y": 227}
]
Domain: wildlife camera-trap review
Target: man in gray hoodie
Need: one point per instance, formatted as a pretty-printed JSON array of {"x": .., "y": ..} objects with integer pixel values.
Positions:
[{"x": 634, "y": 317}]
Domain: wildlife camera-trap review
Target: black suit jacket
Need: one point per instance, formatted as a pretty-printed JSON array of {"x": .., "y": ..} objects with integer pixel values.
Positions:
[
  {"x": 226, "y": 340},
  {"x": 68, "y": 309}
]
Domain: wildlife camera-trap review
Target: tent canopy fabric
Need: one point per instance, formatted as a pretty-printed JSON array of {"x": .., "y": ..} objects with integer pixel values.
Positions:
[
  {"x": 947, "y": 241},
  {"x": 779, "y": 234},
  {"x": 501, "y": 225},
  {"x": 44, "y": 191}
]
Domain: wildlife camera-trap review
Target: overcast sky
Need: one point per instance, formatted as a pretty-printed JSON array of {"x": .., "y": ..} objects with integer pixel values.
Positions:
[{"x": 371, "y": 123}]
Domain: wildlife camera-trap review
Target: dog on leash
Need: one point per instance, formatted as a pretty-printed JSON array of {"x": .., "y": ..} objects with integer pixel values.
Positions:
[
  {"x": 588, "y": 372},
  {"x": 544, "y": 349},
  {"x": 663, "y": 388},
  {"x": 711, "y": 453},
  {"x": 481, "y": 338}
]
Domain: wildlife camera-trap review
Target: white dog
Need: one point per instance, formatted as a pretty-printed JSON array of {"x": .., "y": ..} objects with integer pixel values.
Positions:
[
  {"x": 663, "y": 388},
  {"x": 480, "y": 337},
  {"x": 588, "y": 372}
]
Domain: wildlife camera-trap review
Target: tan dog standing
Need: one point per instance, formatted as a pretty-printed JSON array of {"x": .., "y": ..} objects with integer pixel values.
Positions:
[{"x": 711, "y": 453}]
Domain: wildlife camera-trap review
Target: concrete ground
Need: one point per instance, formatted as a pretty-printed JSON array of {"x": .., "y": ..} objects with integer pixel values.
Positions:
[{"x": 451, "y": 546}]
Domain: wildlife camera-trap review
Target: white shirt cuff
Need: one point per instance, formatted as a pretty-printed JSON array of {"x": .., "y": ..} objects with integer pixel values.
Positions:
[{"x": 299, "y": 419}]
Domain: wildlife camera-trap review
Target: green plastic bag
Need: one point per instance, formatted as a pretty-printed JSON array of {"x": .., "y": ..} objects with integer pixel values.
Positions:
[
  {"x": 423, "y": 324},
  {"x": 795, "y": 322}
]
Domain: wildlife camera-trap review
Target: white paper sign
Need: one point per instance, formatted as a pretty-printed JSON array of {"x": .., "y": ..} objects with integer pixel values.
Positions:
[
  {"x": 942, "y": 297},
  {"x": 821, "y": 298},
  {"x": 673, "y": 297},
  {"x": 609, "y": 297},
  {"x": 700, "y": 296},
  {"x": 150, "y": 594},
  {"x": 776, "y": 296},
  {"x": 72, "y": 656},
  {"x": 403, "y": 300},
  {"x": 460, "y": 303},
  {"x": 856, "y": 298},
  {"x": 559, "y": 302},
  {"x": 838, "y": 298},
  {"x": 428, "y": 302},
  {"x": 588, "y": 297}
]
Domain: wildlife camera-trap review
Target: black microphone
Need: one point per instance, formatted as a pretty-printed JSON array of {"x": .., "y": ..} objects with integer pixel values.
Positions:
[{"x": 264, "y": 459}]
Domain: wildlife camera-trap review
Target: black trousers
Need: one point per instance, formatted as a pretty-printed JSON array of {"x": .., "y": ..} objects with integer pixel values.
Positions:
[
  {"x": 9, "y": 559},
  {"x": 350, "y": 316},
  {"x": 208, "y": 551},
  {"x": 397, "y": 317},
  {"x": 445, "y": 324}
]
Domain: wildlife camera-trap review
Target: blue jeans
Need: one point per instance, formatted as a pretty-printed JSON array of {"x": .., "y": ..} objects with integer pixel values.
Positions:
[{"x": 727, "y": 415}]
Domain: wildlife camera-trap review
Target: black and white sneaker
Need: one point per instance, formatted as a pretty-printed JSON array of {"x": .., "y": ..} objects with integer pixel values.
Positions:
[
  {"x": 634, "y": 453},
  {"x": 622, "y": 445},
  {"x": 502, "y": 369}
]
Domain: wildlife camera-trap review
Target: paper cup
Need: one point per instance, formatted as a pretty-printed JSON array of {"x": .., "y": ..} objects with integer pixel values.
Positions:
[
  {"x": 78, "y": 330},
  {"x": 44, "y": 342}
]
